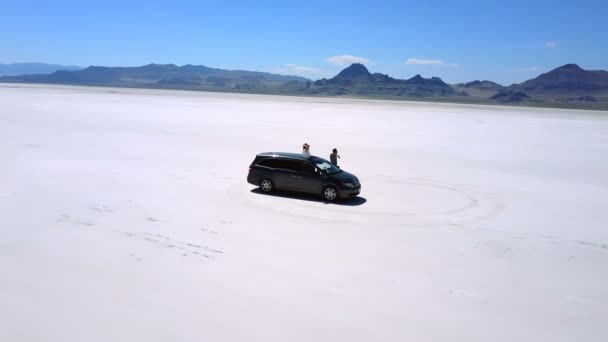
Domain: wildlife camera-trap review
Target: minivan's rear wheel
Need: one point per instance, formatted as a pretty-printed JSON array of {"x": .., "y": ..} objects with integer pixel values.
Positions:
[
  {"x": 330, "y": 193},
  {"x": 266, "y": 185}
]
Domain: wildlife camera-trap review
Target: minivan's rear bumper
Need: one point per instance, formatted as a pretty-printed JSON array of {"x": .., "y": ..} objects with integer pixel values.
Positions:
[{"x": 251, "y": 178}]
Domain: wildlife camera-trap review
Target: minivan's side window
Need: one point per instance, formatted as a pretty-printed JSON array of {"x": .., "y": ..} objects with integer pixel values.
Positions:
[
  {"x": 278, "y": 163},
  {"x": 306, "y": 168},
  {"x": 291, "y": 165},
  {"x": 288, "y": 164},
  {"x": 270, "y": 162},
  {"x": 298, "y": 166}
]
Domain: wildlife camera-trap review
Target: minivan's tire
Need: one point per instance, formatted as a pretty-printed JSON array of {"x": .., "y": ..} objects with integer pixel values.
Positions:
[
  {"x": 330, "y": 193},
  {"x": 266, "y": 185}
]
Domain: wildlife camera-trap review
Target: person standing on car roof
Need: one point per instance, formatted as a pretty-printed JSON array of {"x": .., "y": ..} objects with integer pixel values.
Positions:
[
  {"x": 306, "y": 150},
  {"x": 333, "y": 157}
]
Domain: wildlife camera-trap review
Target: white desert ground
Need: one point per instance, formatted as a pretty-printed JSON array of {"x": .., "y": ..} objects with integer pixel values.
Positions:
[{"x": 125, "y": 215}]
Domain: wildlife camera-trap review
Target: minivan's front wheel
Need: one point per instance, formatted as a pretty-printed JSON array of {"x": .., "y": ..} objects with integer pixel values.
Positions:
[
  {"x": 266, "y": 185},
  {"x": 330, "y": 193}
]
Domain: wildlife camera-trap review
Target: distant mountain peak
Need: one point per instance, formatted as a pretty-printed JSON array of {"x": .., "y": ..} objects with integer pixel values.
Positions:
[
  {"x": 416, "y": 79},
  {"x": 481, "y": 85},
  {"x": 425, "y": 81},
  {"x": 159, "y": 66},
  {"x": 353, "y": 71},
  {"x": 571, "y": 66}
]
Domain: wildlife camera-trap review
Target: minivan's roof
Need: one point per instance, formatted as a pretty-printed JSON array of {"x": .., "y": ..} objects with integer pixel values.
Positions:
[{"x": 284, "y": 155}]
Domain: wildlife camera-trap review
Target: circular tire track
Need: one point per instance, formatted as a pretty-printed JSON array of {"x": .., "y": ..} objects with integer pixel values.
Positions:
[{"x": 389, "y": 200}]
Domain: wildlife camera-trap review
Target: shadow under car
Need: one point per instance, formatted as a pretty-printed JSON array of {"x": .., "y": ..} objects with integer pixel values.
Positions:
[{"x": 349, "y": 201}]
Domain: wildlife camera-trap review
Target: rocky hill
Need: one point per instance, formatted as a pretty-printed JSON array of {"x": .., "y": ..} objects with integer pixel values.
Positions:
[
  {"x": 568, "y": 86},
  {"x": 481, "y": 85},
  {"x": 567, "y": 78},
  {"x": 358, "y": 81}
]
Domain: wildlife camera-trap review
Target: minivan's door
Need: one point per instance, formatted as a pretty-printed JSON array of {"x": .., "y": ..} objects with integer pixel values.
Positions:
[
  {"x": 309, "y": 181},
  {"x": 281, "y": 173},
  {"x": 291, "y": 175}
]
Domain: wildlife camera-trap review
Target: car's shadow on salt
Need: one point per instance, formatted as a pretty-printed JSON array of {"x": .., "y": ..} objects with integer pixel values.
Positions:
[{"x": 353, "y": 201}]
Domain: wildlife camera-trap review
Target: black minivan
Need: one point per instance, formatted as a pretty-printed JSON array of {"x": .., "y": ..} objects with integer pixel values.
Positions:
[{"x": 294, "y": 172}]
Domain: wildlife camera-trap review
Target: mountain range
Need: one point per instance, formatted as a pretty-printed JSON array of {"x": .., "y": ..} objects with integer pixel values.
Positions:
[
  {"x": 568, "y": 86},
  {"x": 195, "y": 77}
]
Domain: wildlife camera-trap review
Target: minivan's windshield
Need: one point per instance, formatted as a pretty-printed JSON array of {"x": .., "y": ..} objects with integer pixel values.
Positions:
[{"x": 326, "y": 166}]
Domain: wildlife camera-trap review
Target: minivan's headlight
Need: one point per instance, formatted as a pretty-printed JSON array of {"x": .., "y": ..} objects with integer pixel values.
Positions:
[{"x": 349, "y": 185}]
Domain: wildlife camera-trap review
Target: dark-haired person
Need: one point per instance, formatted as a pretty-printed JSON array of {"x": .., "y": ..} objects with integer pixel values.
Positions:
[
  {"x": 306, "y": 150},
  {"x": 333, "y": 157}
]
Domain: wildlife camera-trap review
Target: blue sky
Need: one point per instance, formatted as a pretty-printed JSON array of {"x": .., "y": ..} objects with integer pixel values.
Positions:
[{"x": 504, "y": 41}]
